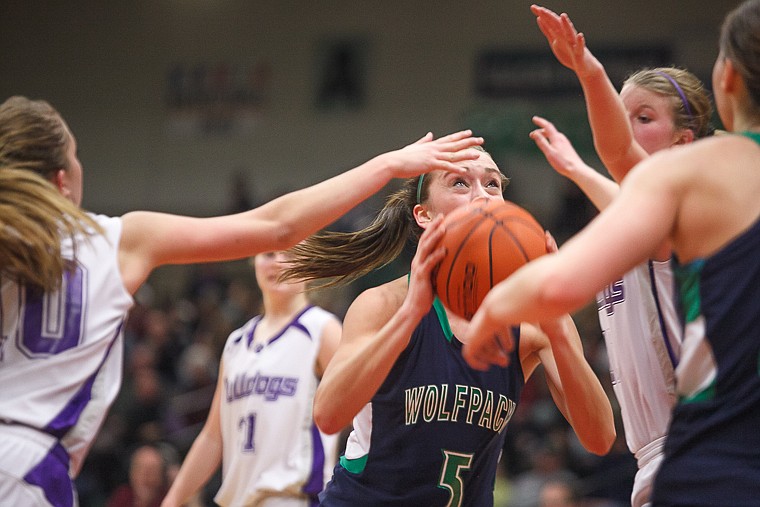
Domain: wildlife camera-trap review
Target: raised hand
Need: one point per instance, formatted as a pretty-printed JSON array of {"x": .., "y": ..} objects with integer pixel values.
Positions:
[
  {"x": 486, "y": 342},
  {"x": 565, "y": 160},
  {"x": 557, "y": 149},
  {"x": 429, "y": 154},
  {"x": 566, "y": 43},
  {"x": 429, "y": 254}
]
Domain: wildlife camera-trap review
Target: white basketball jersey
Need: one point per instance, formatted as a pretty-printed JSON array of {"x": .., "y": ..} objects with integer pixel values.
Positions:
[
  {"x": 271, "y": 445},
  {"x": 61, "y": 353},
  {"x": 643, "y": 340}
]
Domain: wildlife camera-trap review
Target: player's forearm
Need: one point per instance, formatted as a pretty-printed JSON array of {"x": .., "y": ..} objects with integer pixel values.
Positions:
[
  {"x": 310, "y": 209},
  {"x": 599, "y": 189},
  {"x": 586, "y": 404},
  {"x": 201, "y": 462},
  {"x": 610, "y": 126}
]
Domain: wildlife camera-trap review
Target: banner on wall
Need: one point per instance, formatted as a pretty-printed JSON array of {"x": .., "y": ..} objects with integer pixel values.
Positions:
[
  {"x": 216, "y": 99},
  {"x": 505, "y": 73},
  {"x": 511, "y": 86}
]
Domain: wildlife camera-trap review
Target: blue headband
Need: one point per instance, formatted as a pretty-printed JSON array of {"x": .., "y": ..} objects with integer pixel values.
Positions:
[
  {"x": 680, "y": 92},
  {"x": 419, "y": 189}
]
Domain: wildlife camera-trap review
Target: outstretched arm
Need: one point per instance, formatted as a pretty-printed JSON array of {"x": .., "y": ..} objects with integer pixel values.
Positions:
[
  {"x": 574, "y": 386},
  {"x": 635, "y": 224},
  {"x": 610, "y": 125},
  {"x": 565, "y": 160},
  {"x": 377, "y": 328},
  {"x": 153, "y": 239}
]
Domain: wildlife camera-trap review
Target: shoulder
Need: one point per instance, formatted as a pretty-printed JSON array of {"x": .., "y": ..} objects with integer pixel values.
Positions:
[
  {"x": 379, "y": 302},
  {"x": 236, "y": 336},
  {"x": 703, "y": 156},
  {"x": 111, "y": 226}
]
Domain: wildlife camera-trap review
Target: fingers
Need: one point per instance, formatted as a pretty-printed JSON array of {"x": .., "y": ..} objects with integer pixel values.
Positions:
[
  {"x": 424, "y": 139},
  {"x": 430, "y": 252},
  {"x": 549, "y": 30},
  {"x": 539, "y": 137},
  {"x": 454, "y": 149},
  {"x": 430, "y": 239},
  {"x": 545, "y": 124},
  {"x": 551, "y": 243},
  {"x": 567, "y": 26},
  {"x": 456, "y": 136},
  {"x": 580, "y": 43},
  {"x": 488, "y": 349}
]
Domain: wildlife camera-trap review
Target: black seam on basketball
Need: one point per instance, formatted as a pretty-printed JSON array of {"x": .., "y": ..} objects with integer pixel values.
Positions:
[
  {"x": 490, "y": 256},
  {"x": 514, "y": 240},
  {"x": 530, "y": 224},
  {"x": 459, "y": 250}
]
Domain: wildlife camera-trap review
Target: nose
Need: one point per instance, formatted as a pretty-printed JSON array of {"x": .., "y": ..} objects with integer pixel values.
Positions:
[{"x": 479, "y": 192}]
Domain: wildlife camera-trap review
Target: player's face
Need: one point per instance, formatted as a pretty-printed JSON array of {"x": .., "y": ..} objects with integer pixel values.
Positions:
[
  {"x": 72, "y": 176},
  {"x": 651, "y": 117},
  {"x": 268, "y": 267},
  {"x": 448, "y": 191}
]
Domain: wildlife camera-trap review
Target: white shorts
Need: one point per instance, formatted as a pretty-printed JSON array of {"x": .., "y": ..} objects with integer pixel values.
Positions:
[
  {"x": 642, "y": 483},
  {"x": 34, "y": 469}
]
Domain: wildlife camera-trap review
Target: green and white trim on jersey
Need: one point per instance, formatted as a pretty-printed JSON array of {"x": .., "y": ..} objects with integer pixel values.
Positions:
[{"x": 697, "y": 370}]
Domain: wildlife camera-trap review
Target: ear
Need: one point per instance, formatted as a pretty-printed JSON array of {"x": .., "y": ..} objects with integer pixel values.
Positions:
[
  {"x": 60, "y": 182},
  {"x": 421, "y": 215},
  {"x": 729, "y": 76},
  {"x": 685, "y": 136}
]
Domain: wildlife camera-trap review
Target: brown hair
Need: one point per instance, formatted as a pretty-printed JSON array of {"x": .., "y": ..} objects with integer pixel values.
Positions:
[
  {"x": 691, "y": 104},
  {"x": 345, "y": 256},
  {"x": 34, "y": 219},
  {"x": 740, "y": 43},
  {"x": 33, "y": 136}
]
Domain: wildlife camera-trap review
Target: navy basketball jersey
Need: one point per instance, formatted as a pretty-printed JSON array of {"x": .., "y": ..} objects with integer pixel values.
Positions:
[
  {"x": 432, "y": 435},
  {"x": 712, "y": 454}
]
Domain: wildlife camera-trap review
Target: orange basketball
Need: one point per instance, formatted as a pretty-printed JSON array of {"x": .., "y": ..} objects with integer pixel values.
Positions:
[{"x": 486, "y": 242}]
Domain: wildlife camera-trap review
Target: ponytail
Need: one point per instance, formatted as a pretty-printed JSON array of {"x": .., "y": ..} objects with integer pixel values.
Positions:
[
  {"x": 343, "y": 257},
  {"x": 34, "y": 219}
]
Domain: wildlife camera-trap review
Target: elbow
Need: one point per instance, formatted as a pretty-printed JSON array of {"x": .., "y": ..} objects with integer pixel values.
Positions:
[
  {"x": 602, "y": 444},
  {"x": 285, "y": 235},
  {"x": 602, "y": 436},
  {"x": 328, "y": 421},
  {"x": 327, "y": 425}
]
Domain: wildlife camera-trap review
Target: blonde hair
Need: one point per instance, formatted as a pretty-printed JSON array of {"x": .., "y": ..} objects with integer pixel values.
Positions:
[
  {"x": 691, "y": 105},
  {"x": 34, "y": 217},
  {"x": 34, "y": 220},
  {"x": 33, "y": 136}
]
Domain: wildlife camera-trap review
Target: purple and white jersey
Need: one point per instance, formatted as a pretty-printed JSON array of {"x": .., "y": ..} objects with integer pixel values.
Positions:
[
  {"x": 271, "y": 445},
  {"x": 61, "y": 353},
  {"x": 643, "y": 338}
]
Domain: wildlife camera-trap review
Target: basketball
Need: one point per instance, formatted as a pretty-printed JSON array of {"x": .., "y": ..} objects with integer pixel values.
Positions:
[{"x": 486, "y": 241}]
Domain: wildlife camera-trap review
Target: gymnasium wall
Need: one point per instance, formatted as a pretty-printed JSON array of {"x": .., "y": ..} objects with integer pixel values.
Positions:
[{"x": 169, "y": 99}]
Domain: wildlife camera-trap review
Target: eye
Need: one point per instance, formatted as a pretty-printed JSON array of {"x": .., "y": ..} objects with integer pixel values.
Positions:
[
  {"x": 494, "y": 184},
  {"x": 459, "y": 182},
  {"x": 643, "y": 118}
]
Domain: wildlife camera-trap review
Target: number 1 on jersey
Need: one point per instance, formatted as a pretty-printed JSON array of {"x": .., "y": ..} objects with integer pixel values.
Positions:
[{"x": 248, "y": 425}]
